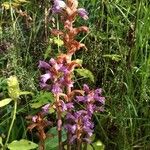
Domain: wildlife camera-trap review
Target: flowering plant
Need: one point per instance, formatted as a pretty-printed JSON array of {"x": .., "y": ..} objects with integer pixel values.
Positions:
[{"x": 74, "y": 107}]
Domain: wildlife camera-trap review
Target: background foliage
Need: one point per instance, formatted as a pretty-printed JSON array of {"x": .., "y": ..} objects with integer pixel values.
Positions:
[{"x": 118, "y": 55}]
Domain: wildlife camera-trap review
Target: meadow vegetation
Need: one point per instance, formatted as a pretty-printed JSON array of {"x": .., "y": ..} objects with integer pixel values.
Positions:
[{"x": 118, "y": 55}]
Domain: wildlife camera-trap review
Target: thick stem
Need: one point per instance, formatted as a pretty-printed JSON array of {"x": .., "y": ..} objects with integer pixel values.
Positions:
[
  {"x": 79, "y": 144},
  {"x": 59, "y": 123},
  {"x": 68, "y": 145},
  {"x": 12, "y": 122}
]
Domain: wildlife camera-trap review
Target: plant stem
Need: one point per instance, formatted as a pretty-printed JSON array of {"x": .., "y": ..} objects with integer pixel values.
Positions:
[
  {"x": 59, "y": 123},
  {"x": 68, "y": 144},
  {"x": 12, "y": 122},
  {"x": 79, "y": 144}
]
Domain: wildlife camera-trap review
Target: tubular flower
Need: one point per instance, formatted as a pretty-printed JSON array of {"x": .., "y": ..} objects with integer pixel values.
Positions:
[
  {"x": 58, "y": 6},
  {"x": 83, "y": 13},
  {"x": 79, "y": 125},
  {"x": 58, "y": 75},
  {"x": 92, "y": 100}
]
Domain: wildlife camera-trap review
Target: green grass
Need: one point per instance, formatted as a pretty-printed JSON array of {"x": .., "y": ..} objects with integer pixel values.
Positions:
[
  {"x": 118, "y": 55},
  {"x": 121, "y": 28}
]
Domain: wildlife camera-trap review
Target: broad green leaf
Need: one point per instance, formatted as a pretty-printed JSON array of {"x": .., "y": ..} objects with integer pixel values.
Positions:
[
  {"x": 85, "y": 73},
  {"x": 42, "y": 99},
  {"x": 22, "y": 145},
  {"x": 25, "y": 93},
  {"x": 89, "y": 147},
  {"x": 98, "y": 145},
  {"x": 36, "y": 105},
  {"x": 52, "y": 143},
  {"x": 5, "y": 102},
  {"x": 114, "y": 57}
]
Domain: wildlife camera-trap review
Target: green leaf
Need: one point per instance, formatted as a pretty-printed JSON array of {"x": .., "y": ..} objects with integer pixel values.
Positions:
[
  {"x": 22, "y": 145},
  {"x": 1, "y": 141},
  {"x": 25, "y": 93},
  {"x": 93, "y": 1},
  {"x": 5, "y": 102},
  {"x": 52, "y": 143},
  {"x": 79, "y": 61},
  {"x": 42, "y": 99},
  {"x": 13, "y": 87},
  {"x": 98, "y": 145},
  {"x": 85, "y": 73},
  {"x": 58, "y": 41},
  {"x": 89, "y": 147},
  {"x": 114, "y": 57},
  {"x": 20, "y": 1}
]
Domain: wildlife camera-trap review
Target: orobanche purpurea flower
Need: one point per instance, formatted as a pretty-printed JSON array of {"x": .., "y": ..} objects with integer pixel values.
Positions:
[{"x": 74, "y": 107}]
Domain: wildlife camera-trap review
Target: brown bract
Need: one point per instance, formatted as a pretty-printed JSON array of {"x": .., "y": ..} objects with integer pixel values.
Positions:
[{"x": 69, "y": 33}]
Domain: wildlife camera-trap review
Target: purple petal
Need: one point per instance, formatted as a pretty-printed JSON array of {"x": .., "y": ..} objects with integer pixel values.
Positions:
[
  {"x": 86, "y": 88},
  {"x": 70, "y": 128},
  {"x": 90, "y": 97},
  {"x": 58, "y": 6},
  {"x": 63, "y": 105},
  {"x": 70, "y": 105},
  {"x": 45, "y": 86},
  {"x": 45, "y": 77},
  {"x": 90, "y": 108},
  {"x": 46, "y": 108},
  {"x": 69, "y": 116},
  {"x": 83, "y": 13},
  {"x": 43, "y": 64},
  {"x": 56, "y": 89},
  {"x": 80, "y": 98},
  {"x": 100, "y": 99},
  {"x": 88, "y": 131},
  {"x": 52, "y": 61},
  {"x": 98, "y": 91},
  {"x": 34, "y": 118}
]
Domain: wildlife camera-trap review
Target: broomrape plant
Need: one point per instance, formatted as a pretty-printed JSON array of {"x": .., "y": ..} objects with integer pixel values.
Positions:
[{"x": 58, "y": 78}]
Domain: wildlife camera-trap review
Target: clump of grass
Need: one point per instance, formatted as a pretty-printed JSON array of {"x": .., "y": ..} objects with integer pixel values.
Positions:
[{"x": 118, "y": 50}]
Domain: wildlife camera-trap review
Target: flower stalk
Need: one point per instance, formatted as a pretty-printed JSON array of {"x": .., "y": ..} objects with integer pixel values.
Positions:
[
  {"x": 78, "y": 105},
  {"x": 12, "y": 123}
]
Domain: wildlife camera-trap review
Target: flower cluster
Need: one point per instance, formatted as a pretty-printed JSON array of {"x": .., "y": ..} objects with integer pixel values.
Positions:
[
  {"x": 92, "y": 100},
  {"x": 60, "y": 6},
  {"x": 58, "y": 73},
  {"x": 78, "y": 105},
  {"x": 79, "y": 123}
]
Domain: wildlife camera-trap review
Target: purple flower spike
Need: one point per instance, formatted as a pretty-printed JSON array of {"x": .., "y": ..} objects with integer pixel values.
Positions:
[
  {"x": 58, "y": 6},
  {"x": 83, "y": 13}
]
